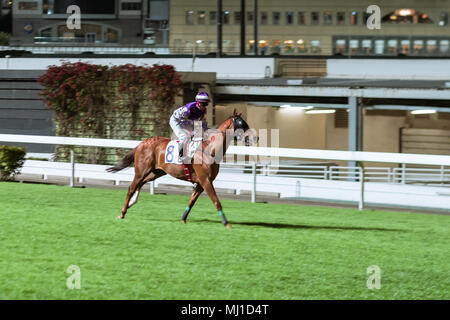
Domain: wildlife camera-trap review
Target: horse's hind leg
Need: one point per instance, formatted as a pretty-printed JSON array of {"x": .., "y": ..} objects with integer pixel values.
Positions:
[
  {"x": 135, "y": 185},
  {"x": 150, "y": 177},
  {"x": 198, "y": 189}
]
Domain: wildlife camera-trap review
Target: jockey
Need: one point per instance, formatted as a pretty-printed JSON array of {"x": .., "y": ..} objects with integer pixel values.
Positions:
[{"x": 182, "y": 119}]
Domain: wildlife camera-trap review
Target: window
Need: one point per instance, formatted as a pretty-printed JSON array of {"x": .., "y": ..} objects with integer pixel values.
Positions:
[
  {"x": 264, "y": 18},
  {"x": 327, "y": 17},
  {"x": 276, "y": 46},
  {"x": 315, "y": 46},
  {"x": 226, "y": 17},
  {"x": 190, "y": 17},
  {"x": 354, "y": 18},
  {"x": 28, "y": 5},
  {"x": 131, "y": 6},
  {"x": 201, "y": 17},
  {"x": 289, "y": 46},
  {"x": 301, "y": 17},
  {"x": 431, "y": 46},
  {"x": 365, "y": 17},
  {"x": 301, "y": 46},
  {"x": 418, "y": 46},
  {"x": 354, "y": 46},
  {"x": 276, "y": 18},
  {"x": 314, "y": 18},
  {"x": 289, "y": 17},
  {"x": 341, "y": 46},
  {"x": 263, "y": 46},
  {"x": 444, "y": 45},
  {"x": 237, "y": 17},
  {"x": 340, "y": 18},
  {"x": 405, "y": 46},
  {"x": 443, "y": 20},
  {"x": 406, "y": 16},
  {"x": 212, "y": 17},
  {"x": 250, "y": 17},
  {"x": 392, "y": 46},
  {"x": 379, "y": 46},
  {"x": 367, "y": 46}
]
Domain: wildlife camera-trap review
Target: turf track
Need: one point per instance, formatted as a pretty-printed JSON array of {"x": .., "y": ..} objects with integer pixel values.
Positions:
[{"x": 273, "y": 251}]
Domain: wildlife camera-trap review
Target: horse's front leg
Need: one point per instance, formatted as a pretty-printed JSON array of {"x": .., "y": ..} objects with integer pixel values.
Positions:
[
  {"x": 209, "y": 188},
  {"x": 198, "y": 189}
]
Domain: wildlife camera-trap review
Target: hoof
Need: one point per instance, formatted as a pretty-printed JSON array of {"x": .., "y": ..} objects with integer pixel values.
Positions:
[
  {"x": 228, "y": 226},
  {"x": 120, "y": 217},
  {"x": 183, "y": 221}
]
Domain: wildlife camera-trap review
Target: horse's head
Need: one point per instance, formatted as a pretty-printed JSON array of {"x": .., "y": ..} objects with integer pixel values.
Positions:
[{"x": 242, "y": 131}]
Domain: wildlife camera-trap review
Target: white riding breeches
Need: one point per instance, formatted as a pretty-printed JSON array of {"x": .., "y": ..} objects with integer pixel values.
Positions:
[{"x": 182, "y": 133}]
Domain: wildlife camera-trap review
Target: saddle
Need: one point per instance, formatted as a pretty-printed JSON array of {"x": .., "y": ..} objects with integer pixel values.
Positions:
[{"x": 171, "y": 154}]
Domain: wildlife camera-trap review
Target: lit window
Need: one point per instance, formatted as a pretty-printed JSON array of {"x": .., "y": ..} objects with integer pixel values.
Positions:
[
  {"x": 314, "y": 18},
  {"x": 379, "y": 46},
  {"x": 289, "y": 17},
  {"x": 301, "y": 46},
  {"x": 392, "y": 46},
  {"x": 226, "y": 17},
  {"x": 276, "y": 46},
  {"x": 301, "y": 17},
  {"x": 190, "y": 17},
  {"x": 327, "y": 17},
  {"x": 340, "y": 18},
  {"x": 443, "y": 21},
  {"x": 418, "y": 46},
  {"x": 405, "y": 16},
  {"x": 444, "y": 45},
  {"x": 201, "y": 17},
  {"x": 405, "y": 46},
  {"x": 366, "y": 46},
  {"x": 354, "y": 46},
  {"x": 341, "y": 46},
  {"x": 275, "y": 18},
  {"x": 315, "y": 46},
  {"x": 289, "y": 46},
  {"x": 263, "y": 46},
  {"x": 431, "y": 46},
  {"x": 354, "y": 18}
]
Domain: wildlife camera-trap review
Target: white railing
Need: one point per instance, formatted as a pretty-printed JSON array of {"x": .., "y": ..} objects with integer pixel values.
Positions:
[{"x": 354, "y": 184}]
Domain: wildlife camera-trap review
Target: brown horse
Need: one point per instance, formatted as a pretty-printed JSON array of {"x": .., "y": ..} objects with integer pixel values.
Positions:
[{"x": 149, "y": 163}]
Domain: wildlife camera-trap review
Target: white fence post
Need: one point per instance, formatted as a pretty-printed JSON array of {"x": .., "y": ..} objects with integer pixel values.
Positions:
[
  {"x": 72, "y": 163},
  {"x": 152, "y": 187},
  {"x": 361, "y": 188},
  {"x": 253, "y": 181}
]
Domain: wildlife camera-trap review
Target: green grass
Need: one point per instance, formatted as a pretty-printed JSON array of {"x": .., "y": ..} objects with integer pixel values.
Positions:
[{"x": 273, "y": 251}]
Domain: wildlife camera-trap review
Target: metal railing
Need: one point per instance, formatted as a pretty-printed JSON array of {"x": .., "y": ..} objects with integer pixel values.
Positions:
[{"x": 264, "y": 177}]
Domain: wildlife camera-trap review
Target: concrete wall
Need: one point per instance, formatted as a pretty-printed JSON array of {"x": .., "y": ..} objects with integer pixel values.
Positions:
[
  {"x": 430, "y": 69},
  {"x": 248, "y": 68}
]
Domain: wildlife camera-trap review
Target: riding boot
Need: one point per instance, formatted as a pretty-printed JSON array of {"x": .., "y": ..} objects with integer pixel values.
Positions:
[{"x": 181, "y": 151}]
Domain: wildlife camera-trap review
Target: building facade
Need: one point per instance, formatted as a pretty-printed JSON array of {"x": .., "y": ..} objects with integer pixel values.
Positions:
[
  {"x": 104, "y": 22},
  {"x": 287, "y": 27},
  {"x": 323, "y": 27}
]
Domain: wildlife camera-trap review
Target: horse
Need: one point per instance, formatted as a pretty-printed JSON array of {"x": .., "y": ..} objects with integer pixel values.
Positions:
[{"x": 149, "y": 163}]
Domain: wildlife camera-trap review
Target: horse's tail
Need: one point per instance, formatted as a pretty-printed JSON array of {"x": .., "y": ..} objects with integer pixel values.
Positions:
[{"x": 126, "y": 162}]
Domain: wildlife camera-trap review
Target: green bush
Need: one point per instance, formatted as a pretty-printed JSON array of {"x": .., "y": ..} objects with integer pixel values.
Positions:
[
  {"x": 11, "y": 160},
  {"x": 4, "y": 39}
]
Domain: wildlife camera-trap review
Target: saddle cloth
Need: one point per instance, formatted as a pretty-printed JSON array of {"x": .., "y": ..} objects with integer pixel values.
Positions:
[{"x": 171, "y": 154}]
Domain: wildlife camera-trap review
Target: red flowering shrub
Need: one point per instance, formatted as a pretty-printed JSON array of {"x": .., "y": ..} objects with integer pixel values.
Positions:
[{"x": 121, "y": 102}]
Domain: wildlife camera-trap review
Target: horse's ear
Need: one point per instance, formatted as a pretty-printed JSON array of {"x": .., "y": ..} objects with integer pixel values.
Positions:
[{"x": 234, "y": 112}]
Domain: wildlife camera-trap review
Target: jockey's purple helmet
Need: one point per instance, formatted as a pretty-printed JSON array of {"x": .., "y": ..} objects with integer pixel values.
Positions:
[{"x": 202, "y": 97}]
